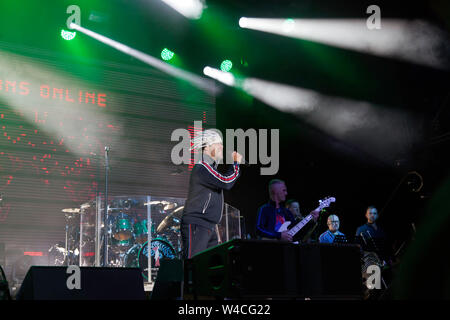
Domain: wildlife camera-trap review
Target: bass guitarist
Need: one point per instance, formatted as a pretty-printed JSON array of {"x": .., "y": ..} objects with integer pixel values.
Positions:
[{"x": 273, "y": 215}]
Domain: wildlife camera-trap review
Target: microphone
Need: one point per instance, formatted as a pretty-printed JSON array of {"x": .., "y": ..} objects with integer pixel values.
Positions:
[{"x": 243, "y": 162}]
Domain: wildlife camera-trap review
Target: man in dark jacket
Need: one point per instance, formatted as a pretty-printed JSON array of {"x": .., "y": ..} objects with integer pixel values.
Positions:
[
  {"x": 372, "y": 237},
  {"x": 204, "y": 205}
]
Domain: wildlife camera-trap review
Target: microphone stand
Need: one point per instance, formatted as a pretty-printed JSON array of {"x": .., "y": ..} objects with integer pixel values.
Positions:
[{"x": 105, "y": 211}]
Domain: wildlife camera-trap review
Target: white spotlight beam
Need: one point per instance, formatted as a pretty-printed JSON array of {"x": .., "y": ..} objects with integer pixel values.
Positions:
[
  {"x": 194, "y": 79},
  {"x": 58, "y": 116},
  {"x": 191, "y": 9},
  {"x": 415, "y": 41},
  {"x": 224, "y": 77},
  {"x": 342, "y": 118},
  {"x": 377, "y": 130},
  {"x": 281, "y": 96}
]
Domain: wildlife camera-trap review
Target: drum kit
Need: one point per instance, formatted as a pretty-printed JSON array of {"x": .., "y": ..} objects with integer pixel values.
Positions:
[{"x": 128, "y": 232}]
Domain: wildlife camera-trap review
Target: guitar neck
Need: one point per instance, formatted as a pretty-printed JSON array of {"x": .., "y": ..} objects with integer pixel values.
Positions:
[
  {"x": 323, "y": 204},
  {"x": 300, "y": 225}
]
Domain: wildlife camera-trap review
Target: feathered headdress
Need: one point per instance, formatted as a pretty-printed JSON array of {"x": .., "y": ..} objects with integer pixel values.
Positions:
[{"x": 205, "y": 138}]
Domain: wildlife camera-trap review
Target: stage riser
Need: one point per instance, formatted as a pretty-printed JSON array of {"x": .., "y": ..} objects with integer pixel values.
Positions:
[{"x": 258, "y": 269}]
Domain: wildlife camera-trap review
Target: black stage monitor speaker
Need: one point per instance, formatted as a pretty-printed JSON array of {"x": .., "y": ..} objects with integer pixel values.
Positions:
[
  {"x": 275, "y": 269},
  {"x": 169, "y": 282},
  {"x": 96, "y": 283},
  {"x": 330, "y": 271},
  {"x": 243, "y": 269},
  {"x": 4, "y": 288}
]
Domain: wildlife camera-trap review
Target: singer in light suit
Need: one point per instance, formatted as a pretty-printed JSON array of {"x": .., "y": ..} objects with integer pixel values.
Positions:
[{"x": 204, "y": 205}]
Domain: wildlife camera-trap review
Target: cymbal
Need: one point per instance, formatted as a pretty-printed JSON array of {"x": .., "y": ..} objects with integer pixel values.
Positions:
[
  {"x": 71, "y": 210},
  {"x": 88, "y": 225},
  {"x": 169, "y": 220},
  {"x": 115, "y": 211},
  {"x": 162, "y": 205},
  {"x": 170, "y": 206},
  {"x": 85, "y": 205},
  {"x": 151, "y": 203},
  {"x": 177, "y": 210}
]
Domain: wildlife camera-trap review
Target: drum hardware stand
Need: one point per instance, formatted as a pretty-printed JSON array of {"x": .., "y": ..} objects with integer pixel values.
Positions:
[
  {"x": 376, "y": 248},
  {"x": 149, "y": 246},
  {"x": 105, "y": 210},
  {"x": 98, "y": 231},
  {"x": 67, "y": 258},
  {"x": 180, "y": 250},
  {"x": 67, "y": 241}
]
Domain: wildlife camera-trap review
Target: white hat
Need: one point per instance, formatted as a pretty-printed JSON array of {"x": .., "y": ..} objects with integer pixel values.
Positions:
[{"x": 205, "y": 138}]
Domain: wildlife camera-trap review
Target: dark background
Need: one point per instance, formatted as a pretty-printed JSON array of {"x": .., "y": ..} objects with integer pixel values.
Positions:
[{"x": 356, "y": 169}]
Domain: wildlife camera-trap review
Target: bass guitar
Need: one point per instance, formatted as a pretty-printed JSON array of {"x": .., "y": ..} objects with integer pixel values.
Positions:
[{"x": 324, "y": 203}]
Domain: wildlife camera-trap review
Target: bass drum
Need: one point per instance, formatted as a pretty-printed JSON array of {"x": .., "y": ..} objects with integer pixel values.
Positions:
[{"x": 137, "y": 256}]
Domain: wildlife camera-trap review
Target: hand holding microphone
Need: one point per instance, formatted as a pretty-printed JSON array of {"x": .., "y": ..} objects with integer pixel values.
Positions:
[{"x": 236, "y": 157}]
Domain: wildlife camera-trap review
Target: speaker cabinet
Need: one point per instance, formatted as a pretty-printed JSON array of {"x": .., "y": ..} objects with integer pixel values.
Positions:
[
  {"x": 275, "y": 269},
  {"x": 4, "y": 288},
  {"x": 50, "y": 283},
  {"x": 169, "y": 282},
  {"x": 330, "y": 271},
  {"x": 243, "y": 268}
]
